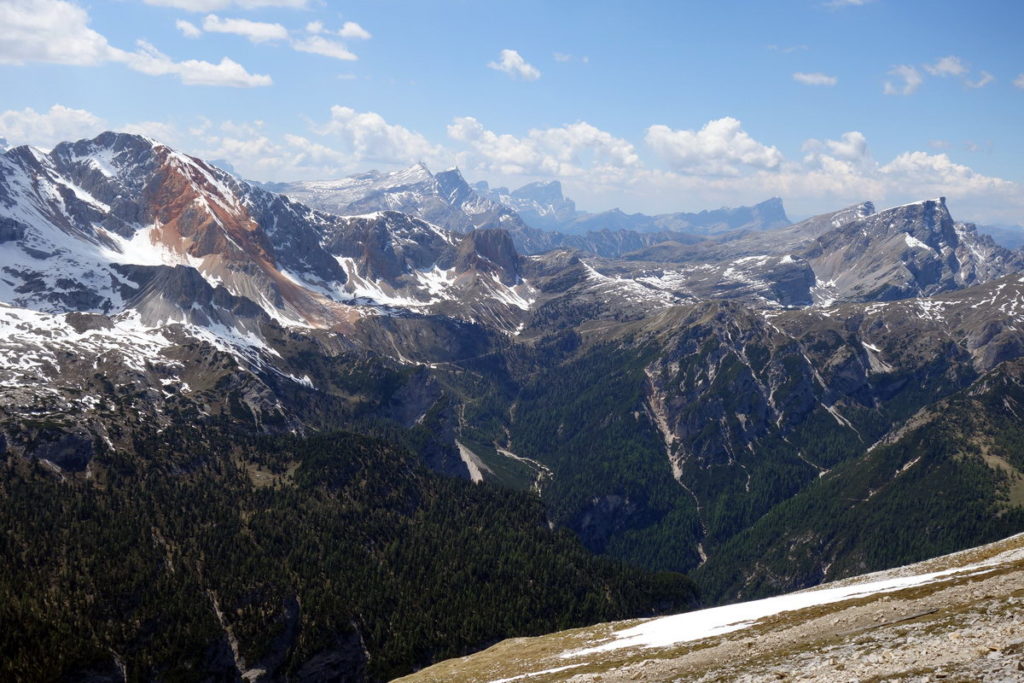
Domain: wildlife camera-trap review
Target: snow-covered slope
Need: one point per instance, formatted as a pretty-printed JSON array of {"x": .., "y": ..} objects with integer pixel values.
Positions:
[
  {"x": 73, "y": 220},
  {"x": 955, "y": 615}
]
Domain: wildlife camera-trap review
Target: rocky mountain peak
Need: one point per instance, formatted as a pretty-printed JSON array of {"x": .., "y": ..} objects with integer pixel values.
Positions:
[
  {"x": 452, "y": 185},
  {"x": 916, "y": 249},
  {"x": 545, "y": 192},
  {"x": 490, "y": 251}
]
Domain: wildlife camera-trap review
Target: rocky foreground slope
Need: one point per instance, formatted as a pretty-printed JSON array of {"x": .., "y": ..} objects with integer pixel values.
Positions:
[{"x": 957, "y": 617}]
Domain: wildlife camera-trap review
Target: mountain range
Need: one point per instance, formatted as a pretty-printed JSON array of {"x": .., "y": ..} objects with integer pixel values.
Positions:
[{"x": 761, "y": 405}]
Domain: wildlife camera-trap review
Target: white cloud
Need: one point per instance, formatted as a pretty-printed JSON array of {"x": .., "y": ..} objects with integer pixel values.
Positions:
[
  {"x": 852, "y": 146},
  {"x": 939, "y": 144},
  {"x": 815, "y": 79},
  {"x": 255, "y": 31},
  {"x": 512, "y": 63},
  {"x": 574, "y": 150},
  {"x": 29, "y": 127},
  {"x": 787, "y": 49},
  {"x": 315, "y": 27},
  {"x": 49, "y": 31},
  {"x": 947, "y": 66},
  {"x": 935, "y": 174},
  {"x": 367, "y": 136},
  {"x": 1019, "y": 82},
  {"x": 564, "y": 57},
  {"x": 847, "y": 3},
  {"x": 351, "y": 29},
  {"x": 31, "y": 28},
  {"x": 910, "y": 76},
  {"x": 319, "y": 45},
  {"x": 188, "y": 29},
  {"x": 835, "y": 173},
  {"x": 721, "y": 147},
  {"x": 227, "y": 72},
  {"x": 160, "y": 131},
  {"x": 217, "y": 5},
  {"x": 983, "y": 79}
]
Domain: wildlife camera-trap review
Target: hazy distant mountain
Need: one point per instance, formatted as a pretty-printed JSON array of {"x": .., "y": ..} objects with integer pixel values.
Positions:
[
  {"x": 1009, "y": 236},
  {"x": 542, "y": 205}
]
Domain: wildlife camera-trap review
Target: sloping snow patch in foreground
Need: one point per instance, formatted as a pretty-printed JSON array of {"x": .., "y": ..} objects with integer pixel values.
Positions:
[{"x": 690, "y": 626}]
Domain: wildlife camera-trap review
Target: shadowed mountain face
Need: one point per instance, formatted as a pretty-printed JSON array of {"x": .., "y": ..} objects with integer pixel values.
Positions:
[{"x": 728, "y": 404}]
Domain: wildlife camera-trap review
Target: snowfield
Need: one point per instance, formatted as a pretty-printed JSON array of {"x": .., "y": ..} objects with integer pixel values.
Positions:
[{"x": 706, "y": 623}]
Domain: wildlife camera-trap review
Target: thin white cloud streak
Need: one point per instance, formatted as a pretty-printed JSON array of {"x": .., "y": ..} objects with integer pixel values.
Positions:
[
  {"x": 148, "y": 60},
  {"x": 255, "y": 31},
  {"x": 513, "y": 64},
  {"x": 565, "y": 58},
  {"x": 1019, "y": 82},
  {"x": 318, "y": 45},
  {"x": 818, "y": 79}
]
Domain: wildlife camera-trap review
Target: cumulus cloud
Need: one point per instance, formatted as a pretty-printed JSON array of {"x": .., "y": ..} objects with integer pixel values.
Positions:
[
  {"x": 937, "y": 174},
  {"x": 815, "y": 79},
  {"x": 59, "y": 123},
  {"x": 721, "y": 147},
  {"x": 188, "y": 29},
  {"x": 367, "y": 136},
  {"x": 351, "y": 29},
  {"x": 574, "y": 150},
  {"x": 30, "y": 27},
  {"x": 834, "y": 173},
  {"x": 49, "y": 31},
  {"x": 255, "y": 31},
  {"x": 217, "y": 5},
  {"x": 910, "y": 76},
  {"x": 851, "y": 146},
  {"x": 318, "y": 45},
  {"x": 160, "y": 131},
  {"x": 947, "y": 66},
  {"x": 513, "y": 64},
  {"x": 598, "y": 169}
]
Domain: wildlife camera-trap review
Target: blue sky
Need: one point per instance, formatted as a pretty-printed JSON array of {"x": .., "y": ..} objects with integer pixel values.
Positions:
[{"x": 652, "y": 106}]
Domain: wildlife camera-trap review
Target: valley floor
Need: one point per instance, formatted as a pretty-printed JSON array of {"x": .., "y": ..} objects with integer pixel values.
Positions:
[{"x": 967, "y": 624}]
